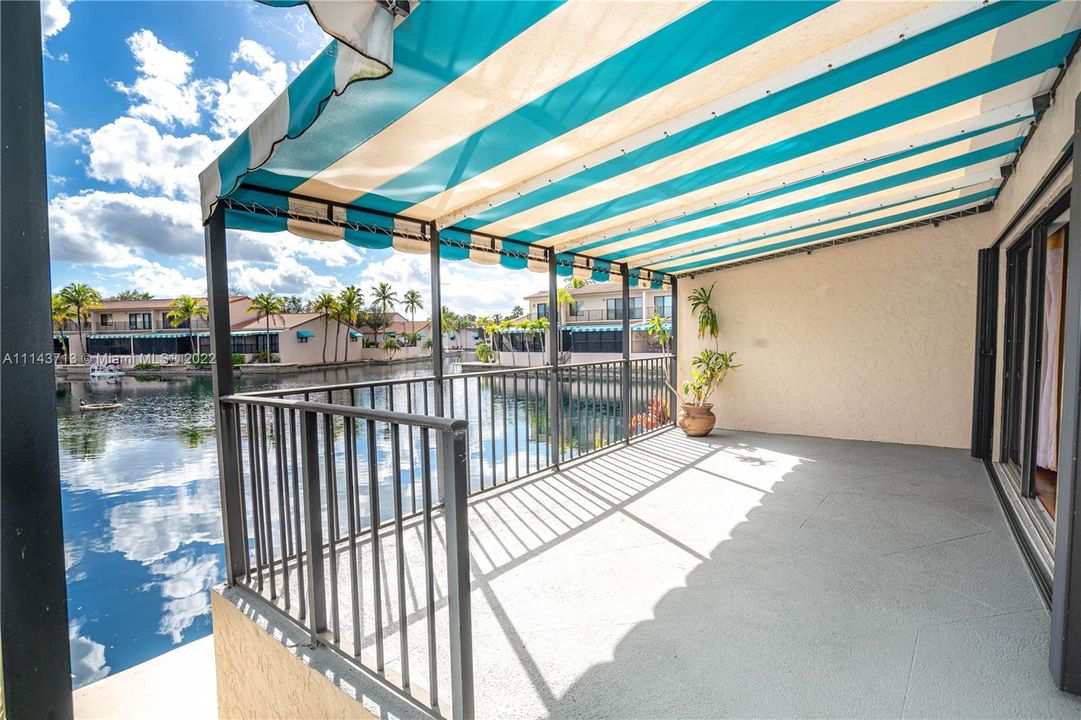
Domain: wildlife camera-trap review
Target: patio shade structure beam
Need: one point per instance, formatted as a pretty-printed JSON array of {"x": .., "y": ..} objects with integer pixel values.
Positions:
[
  {"x": 625, "y": 288},
  {"x": 555, "y": 401}
]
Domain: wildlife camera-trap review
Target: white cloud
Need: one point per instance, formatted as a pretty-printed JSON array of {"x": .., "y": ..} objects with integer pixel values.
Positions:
[
  {"x": 87, "y": 657},
  {"x": 238, "y": 101},
  {"x": 55, "y": 16},
  {"x": 163, "y": 91},
  {"x": 132, "y": 151},
  {"x": 287, "y": 277},
  {"x": 186, "y": 590},
  {"x": 112, "y": 229},
  {"x": 466, "y": 287}
]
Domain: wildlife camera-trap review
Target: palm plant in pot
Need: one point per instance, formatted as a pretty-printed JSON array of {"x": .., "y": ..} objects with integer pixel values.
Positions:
[{"x": 708, "y": 369}]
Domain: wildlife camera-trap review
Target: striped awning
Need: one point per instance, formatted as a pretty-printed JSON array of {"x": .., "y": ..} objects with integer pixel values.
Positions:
[{"x": 669, "y": 137}]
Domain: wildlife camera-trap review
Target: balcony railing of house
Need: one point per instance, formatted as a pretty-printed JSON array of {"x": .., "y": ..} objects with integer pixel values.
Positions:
[
  {"x": 600, "y": 315},
  {"x": 352, "y": 469}
]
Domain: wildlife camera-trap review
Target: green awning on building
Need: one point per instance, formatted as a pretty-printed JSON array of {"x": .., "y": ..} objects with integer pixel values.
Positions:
[
  {"x": 354, "y": 334},
  {"x": 305, "y": 334}
]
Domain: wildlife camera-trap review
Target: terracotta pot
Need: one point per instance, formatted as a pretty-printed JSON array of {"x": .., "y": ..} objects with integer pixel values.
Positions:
[{"x": 697, "y": 420}]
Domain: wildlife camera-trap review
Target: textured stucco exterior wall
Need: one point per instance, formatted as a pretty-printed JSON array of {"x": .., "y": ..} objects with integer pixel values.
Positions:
[
  {"x": 872, "y": 340},
  {"x": 258, "y": 677}
]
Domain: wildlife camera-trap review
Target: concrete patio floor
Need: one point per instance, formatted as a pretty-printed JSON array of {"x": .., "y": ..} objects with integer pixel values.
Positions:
[{"x": 744, "y": 575}]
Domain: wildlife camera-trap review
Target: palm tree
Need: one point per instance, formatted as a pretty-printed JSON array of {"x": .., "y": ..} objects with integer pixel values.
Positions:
[
  {"x": 267, "y": 304},
  {"x": 81, "y": 298},
  {"x": 61, "y": 314},
  {"x": 350, "y": 302},
  {"x": 385, "y": 298},
  {"x": 413, "y": 303},
  {"x": 185, "y": 309},
  {"x": 326, "y": 304}
]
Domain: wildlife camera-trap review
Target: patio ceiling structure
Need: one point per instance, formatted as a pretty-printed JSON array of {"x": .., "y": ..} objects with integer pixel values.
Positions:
[{"x": 672, "y": 137}]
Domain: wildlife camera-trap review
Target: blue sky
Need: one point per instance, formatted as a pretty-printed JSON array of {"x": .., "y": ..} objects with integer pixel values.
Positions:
[{"x": 140, "y": 96}]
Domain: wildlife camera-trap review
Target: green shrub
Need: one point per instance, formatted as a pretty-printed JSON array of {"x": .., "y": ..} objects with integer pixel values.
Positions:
[
  {"x": 262, "y": 357},
  {"x": 146, "y": 366},
  {"x": 238, "y": 358},
  {"x": 485, "y": 353}
]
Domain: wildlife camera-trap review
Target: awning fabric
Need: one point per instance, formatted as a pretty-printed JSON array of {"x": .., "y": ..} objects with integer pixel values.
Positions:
[
  {"x": 354, "y": 334},
  {"x": 305, "y": 334},
  {"x": 675, "y": 137}
]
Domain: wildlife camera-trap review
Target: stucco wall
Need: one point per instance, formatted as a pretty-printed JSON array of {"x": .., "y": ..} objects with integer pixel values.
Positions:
[
  {"x": 872, "y": 340},
  {"x": 266, "y": 669}
]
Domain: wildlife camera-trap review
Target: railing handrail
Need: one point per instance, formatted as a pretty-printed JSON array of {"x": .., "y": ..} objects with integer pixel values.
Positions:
[
  {"x": 419, "y": 420},
  {"x": 312, "y": 389}
]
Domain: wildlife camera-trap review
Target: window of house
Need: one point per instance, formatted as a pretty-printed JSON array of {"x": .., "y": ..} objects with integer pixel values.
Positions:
[
  {"x": 105, "y": 319},
  {"x": 576, "y": 309},
  {"x": 614, "y": 308},
  {"x": 662, "y": 305},
  {"x": 140, "y": 321},
  {"x": 166, "y": 321},
  {"x": 542, "y": 309}
]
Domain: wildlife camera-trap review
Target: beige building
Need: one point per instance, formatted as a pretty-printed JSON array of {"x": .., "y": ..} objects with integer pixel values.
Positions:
[
  {"x": 139, "y": 331},
  {"x": 591, "y": 328}
]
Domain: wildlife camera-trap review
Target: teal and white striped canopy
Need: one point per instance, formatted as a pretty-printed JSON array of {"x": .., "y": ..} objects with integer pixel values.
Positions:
[{"x": 668, "y": 136}]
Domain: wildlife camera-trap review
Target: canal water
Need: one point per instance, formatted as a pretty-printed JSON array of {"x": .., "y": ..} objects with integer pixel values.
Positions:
[{"x": 142, "y": 531}]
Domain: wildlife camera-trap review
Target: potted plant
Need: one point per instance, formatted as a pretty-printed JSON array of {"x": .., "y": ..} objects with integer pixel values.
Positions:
[{"x": 708, "y": 370}]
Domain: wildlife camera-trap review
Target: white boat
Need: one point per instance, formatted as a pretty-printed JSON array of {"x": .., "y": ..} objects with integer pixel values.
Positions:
[
  {"x": 110, "y": 370},
  {"x": 84, "y": 405}
]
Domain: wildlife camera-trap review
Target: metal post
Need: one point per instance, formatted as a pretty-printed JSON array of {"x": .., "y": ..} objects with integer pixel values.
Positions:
[
  {"x": 217, "y": 300},
  {"x": 313, "y": 524},
  {"x": 437, "y": 317},
  {"x": 455, "y": 481},
  {"x": 625, "y": 283},
  {"x": 437, "y": 335},
  {"x": 673, "y": 344},
  {"x": 1065, "y": 649},
  {"x": 554, "y": 399},
  {"x": 34, "y": 611}
]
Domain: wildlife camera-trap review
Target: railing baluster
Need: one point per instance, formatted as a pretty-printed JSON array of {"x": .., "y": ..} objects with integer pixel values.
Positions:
[
  {"x": 399, "y": 541},
  {"x": 297, "y": 504},
  {"x": 503, "y": 415},
  {"x": 332, "y": 519},
  {"x": 350, "y": 441},
  {"x": 283, "y": 525},
  {"x": 237, "y": 418},
  {"x": 491, "y": 417},
  {"x": 256, "y": 496},
  {"x": 412, "y": 465},
  {"x": 429, "y": 567},
  {"x": 480, "y": 430},
  {"x": 373, "y": 525}
]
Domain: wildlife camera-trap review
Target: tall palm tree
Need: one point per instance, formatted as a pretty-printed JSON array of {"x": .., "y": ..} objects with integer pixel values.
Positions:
[
  {"x": 61, "y": 314},
  {"x": 413, "y": 303},
  {"x": 185, "y": 309},
  {"x": 267, "y": 304},
  {"x": 82, "y": 299},
  {"x": 350, "y": 302},
  {"x": 326, "y": 304},
  {"x": 385, "y": 298}
]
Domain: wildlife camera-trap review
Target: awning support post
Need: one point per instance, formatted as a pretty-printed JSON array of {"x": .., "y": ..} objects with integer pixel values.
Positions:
[
  {"x": 673, "y": 343},
  {"x": 437, "y": 336},
  {"x": 226, "y": 416},
  {"x": 36, "y": 679},
  {"x": 554, "y": 332},
  {"x": 625, "y": 283}
]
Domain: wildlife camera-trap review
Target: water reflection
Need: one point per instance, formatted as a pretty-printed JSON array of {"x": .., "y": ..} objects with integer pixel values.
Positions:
[{"x": 141, "y": 512}]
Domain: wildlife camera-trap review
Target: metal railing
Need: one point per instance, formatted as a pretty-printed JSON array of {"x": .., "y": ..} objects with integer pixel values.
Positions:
[
  {"x": 348, "y": 469},
  {"x": 322, "y": 509}
]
